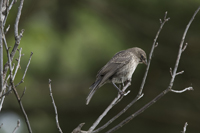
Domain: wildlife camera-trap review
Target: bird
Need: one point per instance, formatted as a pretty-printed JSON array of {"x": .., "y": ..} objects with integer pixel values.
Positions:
[{"x": 118, "y": 70}]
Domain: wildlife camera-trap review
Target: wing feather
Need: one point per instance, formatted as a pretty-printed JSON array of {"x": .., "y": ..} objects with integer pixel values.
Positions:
[{"x": 118, "y": 61}]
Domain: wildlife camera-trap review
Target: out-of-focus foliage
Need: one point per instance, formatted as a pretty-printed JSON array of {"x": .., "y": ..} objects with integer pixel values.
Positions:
[{"x": 72, "y": 40}]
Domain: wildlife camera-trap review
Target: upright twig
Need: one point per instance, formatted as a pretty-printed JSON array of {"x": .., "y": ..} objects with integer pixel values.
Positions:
[
  {"x": 18, "y": 63},
  {"x": 174, "y": 74},
  {"x": 55, "y": 108},
  {"x": 185, "y": 127},
  {"x": 155, "y": 44},
  {"x": 18, "y": 125},
  {"x": 25, "y": 70}
]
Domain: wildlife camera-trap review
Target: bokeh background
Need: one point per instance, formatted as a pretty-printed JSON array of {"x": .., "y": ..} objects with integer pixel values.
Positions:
[{"x": 71, "y": 40}]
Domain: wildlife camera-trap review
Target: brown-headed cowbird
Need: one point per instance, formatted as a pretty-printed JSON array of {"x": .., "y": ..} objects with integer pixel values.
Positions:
[{"x": 119, "y": 69}]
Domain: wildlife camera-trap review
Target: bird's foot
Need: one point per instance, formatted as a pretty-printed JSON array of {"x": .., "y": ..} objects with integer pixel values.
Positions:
[
  {"x": 122, "y": 94},
  {"x": 126, "y": 82}
]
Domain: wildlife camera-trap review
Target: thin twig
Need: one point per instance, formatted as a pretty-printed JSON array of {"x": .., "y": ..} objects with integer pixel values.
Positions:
[
  {"x": 55, "y": 108},
  {"x": 18, "y": 125},
  {"x": 185, "y": 127},
  {"x": 181, "y": 91},
  {"x": 25, "y": 70},
  {"x": 178, "y": 73},
  {"x": 151, "y": 53},
  {"x": 18, "y": 63},
  {"x": 155, "y": 44},
  {"x": 17, "y": 19},
  {"x": 165, "y": 91},
  {"x": 11, "y": 4}
]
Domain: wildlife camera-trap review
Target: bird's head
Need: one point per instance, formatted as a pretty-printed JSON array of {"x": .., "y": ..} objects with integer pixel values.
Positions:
[
  {"x": 143, "y": 59},
  {"x": 141, "y": 55}
]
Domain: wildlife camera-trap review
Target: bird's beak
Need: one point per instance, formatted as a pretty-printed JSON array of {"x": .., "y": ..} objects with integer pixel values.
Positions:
[{"x": 145, "y": 62}]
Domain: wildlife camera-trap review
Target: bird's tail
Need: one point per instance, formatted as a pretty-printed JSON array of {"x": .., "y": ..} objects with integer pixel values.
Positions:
[{"x": 93, "y": 88}]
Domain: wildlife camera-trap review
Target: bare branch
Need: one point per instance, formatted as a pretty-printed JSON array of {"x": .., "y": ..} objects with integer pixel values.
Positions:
[
  {"x": 55, "y": 108},
  {"x": 181, "y": 47},
  {"x": 185, "y": 127},
  {"x": 25, "y": 70},
  {"x": 16, "y": 93},
  {"x": 17, "y": 37},
  {"x": 18, "y": 125},
  {"x": 17, "y": 20},
  {"x": 181, "y": 91},
  {"x": 151, "y": 53},
  {"x": 11, "y": 4},
  {"x": 14, "y": 89},
  {"x": 165, "y": 91}
]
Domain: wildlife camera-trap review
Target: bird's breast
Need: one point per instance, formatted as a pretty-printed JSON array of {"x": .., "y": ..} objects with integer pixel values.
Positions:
[{"x": 125, "y": 73}]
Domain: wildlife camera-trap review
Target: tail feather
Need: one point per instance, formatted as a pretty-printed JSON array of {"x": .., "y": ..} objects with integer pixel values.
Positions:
[{"x": 93, "y": 88}]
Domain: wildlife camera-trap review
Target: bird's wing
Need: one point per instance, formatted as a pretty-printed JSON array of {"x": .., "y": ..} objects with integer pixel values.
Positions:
[{"x": 119, "y": 60}]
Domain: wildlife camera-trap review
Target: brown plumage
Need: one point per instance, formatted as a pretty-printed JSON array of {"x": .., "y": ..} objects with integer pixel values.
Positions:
[{"x": 119, "y": 69}]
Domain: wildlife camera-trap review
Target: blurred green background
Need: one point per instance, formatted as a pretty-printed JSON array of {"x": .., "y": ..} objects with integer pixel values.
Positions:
[{"x": 71, "y": 40}]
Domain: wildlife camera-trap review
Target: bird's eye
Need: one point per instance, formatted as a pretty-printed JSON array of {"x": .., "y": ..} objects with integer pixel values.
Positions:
[{"x": 142, "y": 57}]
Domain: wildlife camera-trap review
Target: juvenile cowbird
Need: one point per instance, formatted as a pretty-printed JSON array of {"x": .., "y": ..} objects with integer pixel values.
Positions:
[{"x": 118, "y": 70}]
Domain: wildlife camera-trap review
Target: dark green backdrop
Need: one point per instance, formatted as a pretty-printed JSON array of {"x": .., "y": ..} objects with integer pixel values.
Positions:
[{"x": 71, "y": 40}]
